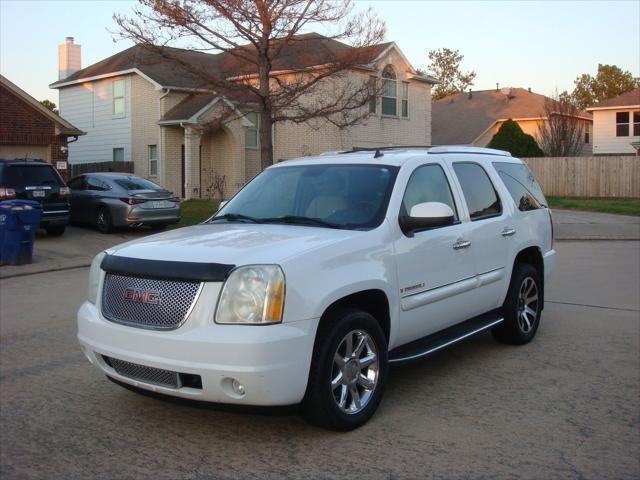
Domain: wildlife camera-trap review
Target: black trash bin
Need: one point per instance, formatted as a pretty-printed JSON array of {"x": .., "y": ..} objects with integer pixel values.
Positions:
[{"x": 19, "y": 220}]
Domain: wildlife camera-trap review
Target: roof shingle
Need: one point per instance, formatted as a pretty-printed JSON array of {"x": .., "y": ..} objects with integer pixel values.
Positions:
[
  {"x": 623, "y": 100},
  {"x": 303, "y": 51}
]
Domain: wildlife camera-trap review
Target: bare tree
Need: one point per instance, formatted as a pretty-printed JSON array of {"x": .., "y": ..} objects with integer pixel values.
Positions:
[
  {"x": 561, "y": 135},
  {"x": 253, "y": 38}
]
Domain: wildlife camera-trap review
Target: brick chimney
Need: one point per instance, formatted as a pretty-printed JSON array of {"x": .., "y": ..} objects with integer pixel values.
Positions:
[{"x": 69, "y": 58}]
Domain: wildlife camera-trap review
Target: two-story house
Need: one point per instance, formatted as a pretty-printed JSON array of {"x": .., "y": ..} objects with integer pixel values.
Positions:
[
  {"x": 616, "y": 125},
  {"x": 138, "y": 107}
]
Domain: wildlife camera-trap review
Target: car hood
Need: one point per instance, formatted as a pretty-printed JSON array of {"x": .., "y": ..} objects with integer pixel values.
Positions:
[{"x": 237, "y": 244}]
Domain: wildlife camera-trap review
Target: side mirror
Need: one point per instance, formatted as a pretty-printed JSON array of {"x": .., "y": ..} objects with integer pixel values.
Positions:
[{"x": 427, "y": 215}]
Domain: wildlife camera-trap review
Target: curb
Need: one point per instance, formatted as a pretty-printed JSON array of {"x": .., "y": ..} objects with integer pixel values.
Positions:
[{"x": 38, "y": 272}]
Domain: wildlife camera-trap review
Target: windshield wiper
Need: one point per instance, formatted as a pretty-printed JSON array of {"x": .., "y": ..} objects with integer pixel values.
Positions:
[
  {"x": 300, "y": 220},
  {"x": 231, "y": 217}
]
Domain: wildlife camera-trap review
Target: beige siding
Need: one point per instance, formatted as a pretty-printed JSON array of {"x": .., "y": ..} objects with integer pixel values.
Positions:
[
  {"x": 144, "y": 127},
  {"x": 605, "y": 141},
  {"x": 89, "y": 107}
]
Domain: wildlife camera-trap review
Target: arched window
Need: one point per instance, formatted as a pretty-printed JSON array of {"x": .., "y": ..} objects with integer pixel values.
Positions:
[{"x": 389, "y": 92}]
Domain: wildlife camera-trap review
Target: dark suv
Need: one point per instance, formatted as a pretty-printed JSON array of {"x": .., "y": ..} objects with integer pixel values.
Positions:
[{"x": 37, "y": 180}]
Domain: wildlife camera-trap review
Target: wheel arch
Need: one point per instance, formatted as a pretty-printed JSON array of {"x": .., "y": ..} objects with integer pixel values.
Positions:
[{"x": 373, "y": 301}]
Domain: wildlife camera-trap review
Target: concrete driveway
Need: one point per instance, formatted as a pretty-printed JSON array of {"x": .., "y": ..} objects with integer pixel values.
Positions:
[{"x": 565, "y": 406}]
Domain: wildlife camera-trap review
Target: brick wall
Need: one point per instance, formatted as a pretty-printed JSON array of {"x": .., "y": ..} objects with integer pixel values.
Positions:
[{"x": 21, "y": 124}]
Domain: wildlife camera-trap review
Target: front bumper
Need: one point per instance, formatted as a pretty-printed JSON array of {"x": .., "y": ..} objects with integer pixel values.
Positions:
[{"x": 271, "y": 362}]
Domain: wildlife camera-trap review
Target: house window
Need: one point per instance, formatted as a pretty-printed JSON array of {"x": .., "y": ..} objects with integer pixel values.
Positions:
[
  {"x": 389, "y": 92},
  {"x": 251, "y": 133},
  {"x": 586, "y": 133},
  {"x": 118, "y": 154},
  {"x": 153, "y": 160},
  {"x": 622, "y": 124},
  {"x": 636, "y": 124},
  {"x": 405, "y": 99},
  {"x": 372, "y": 95},
  {"x": 118, "y": 98}
]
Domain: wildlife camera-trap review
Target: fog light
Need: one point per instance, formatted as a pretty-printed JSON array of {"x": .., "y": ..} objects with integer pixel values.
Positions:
[{"x": 238, "y": 388}]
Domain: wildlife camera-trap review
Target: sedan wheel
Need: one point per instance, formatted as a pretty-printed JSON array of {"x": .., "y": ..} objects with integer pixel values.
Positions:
[{"x": 103, "y": 220}]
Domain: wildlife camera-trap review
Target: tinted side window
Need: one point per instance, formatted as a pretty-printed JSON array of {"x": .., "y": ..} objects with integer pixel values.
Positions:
[
  {"x": 96, "y": 184},
  {"x": 521, "y": 183},
  {"x": 428, "y": 184},
  {"x": 77, "y": 183},
  {"x": 482, "y": 199}
]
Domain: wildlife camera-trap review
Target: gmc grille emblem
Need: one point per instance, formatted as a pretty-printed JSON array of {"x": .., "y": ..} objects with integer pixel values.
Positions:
[{"x": 149, "y": 297}]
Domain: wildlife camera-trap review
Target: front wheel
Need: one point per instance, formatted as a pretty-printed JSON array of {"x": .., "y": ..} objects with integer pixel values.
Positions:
[
  {"x": 522, "y": 308},
  {"x": 348, "y": 371}
]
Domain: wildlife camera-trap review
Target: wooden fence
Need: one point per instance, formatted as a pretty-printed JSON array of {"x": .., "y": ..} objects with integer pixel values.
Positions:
[
  {"x": 78, "y": 168},
  {"x": 610, "y": 176}
]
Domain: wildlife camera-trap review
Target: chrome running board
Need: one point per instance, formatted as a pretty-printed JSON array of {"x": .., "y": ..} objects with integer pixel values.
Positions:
[{"x": 439, "y": 340}]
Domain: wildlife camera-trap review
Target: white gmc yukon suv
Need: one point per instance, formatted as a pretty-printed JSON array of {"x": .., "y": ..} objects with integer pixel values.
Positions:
[{"x": 320, "y": 273}]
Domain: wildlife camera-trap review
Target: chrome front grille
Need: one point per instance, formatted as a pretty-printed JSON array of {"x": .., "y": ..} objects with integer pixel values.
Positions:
[
  {"x": 146, "y": 302},
  {"x": 155, "y": 376}
]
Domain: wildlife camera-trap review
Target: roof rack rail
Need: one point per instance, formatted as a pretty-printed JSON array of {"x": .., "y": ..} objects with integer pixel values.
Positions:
[
  {"x": 469, "y": 149},
  {"x": 390, "y": 147}
]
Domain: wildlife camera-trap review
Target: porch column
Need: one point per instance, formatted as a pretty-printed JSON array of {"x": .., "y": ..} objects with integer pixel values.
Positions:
[{"x": 191, "y": 163}]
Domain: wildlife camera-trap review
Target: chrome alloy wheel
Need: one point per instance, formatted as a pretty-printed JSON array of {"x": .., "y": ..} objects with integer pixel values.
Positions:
[
  {"x": 354, "y": 375},
  {"x": 527, "y": 305}
]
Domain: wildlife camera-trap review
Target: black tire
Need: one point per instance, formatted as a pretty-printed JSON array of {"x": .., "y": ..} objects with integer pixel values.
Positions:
[
  {"x": 320, "y": 406},
  {"x": 158, "y": 226},
  {"x": 104, "y": 223},
  {"x": 56, "y": 231},
  {"x": 520, "y": 325}
]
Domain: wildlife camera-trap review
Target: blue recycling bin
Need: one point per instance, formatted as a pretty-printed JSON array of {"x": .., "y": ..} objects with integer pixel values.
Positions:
[{"x": 19, "y": 220}]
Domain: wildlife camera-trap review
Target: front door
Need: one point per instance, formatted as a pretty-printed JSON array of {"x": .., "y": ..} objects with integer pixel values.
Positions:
[{"x": 435, "y": 271}]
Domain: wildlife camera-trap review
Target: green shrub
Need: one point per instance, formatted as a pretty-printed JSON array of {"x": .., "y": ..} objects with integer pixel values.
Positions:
[{"x": 511, "y": 138}]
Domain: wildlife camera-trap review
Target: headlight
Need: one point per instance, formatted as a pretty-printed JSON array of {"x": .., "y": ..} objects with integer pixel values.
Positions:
[
  {"x": 94, "y": 277},
  {"x": 252, "y": 295}
]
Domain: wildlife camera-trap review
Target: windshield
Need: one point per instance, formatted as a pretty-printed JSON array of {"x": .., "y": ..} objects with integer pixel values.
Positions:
[
  {"x": 340, "y": 196},
  {"x": 30, "y": 175},
  {"x": 137, "y": 183}
]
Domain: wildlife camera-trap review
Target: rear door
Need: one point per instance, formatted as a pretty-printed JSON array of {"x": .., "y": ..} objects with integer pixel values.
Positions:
[
  {"x": 490, "y": 232},
  {"x": 435, "y": 275}
]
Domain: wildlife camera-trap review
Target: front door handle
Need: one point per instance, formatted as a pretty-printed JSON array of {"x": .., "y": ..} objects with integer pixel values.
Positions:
[
  {"x": 460, "y": 244},
  {"x": 508, "y": 232}
]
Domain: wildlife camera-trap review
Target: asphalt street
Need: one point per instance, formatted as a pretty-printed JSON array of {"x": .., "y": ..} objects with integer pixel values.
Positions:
[{"x": 565, "y": 406}]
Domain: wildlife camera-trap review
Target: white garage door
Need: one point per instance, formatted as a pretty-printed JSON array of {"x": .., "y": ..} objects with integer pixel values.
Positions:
[{"x": 10, "y": 152}]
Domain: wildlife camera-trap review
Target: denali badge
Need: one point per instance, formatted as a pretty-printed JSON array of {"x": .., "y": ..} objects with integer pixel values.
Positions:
[{"x": 150, "y": 297}]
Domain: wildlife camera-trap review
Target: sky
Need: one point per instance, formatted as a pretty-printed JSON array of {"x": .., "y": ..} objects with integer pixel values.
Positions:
[{"x": 542, "y": 45}]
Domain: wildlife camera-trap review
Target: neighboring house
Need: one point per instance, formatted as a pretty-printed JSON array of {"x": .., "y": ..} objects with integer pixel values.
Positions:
[
  {"x": 139, "y": 107},
  {"x": 473, "y": 118},
  {"x": 30, "y": 130},
  {"x": 616, "y": 125}
]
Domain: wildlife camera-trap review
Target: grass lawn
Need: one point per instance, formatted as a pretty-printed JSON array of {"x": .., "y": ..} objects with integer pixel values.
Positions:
[
  {"x": 195, "y": 211},
  {"x": 624, "y": 206}
]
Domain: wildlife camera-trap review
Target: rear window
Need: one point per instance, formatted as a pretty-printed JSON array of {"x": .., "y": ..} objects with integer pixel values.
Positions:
[
  {"x": 137, "y": 183},
  {"x": 29, "y": 175},
  {"x": 522, "y": 185}
]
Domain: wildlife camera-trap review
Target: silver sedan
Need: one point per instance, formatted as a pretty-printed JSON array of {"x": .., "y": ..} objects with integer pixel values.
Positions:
[{"x": 110, "y": 200}]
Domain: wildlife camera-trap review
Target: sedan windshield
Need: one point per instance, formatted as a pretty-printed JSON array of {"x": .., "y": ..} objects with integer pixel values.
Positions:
[
  {"x": 137, "y": 183},
  {"x": 333, "y": 196}
]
